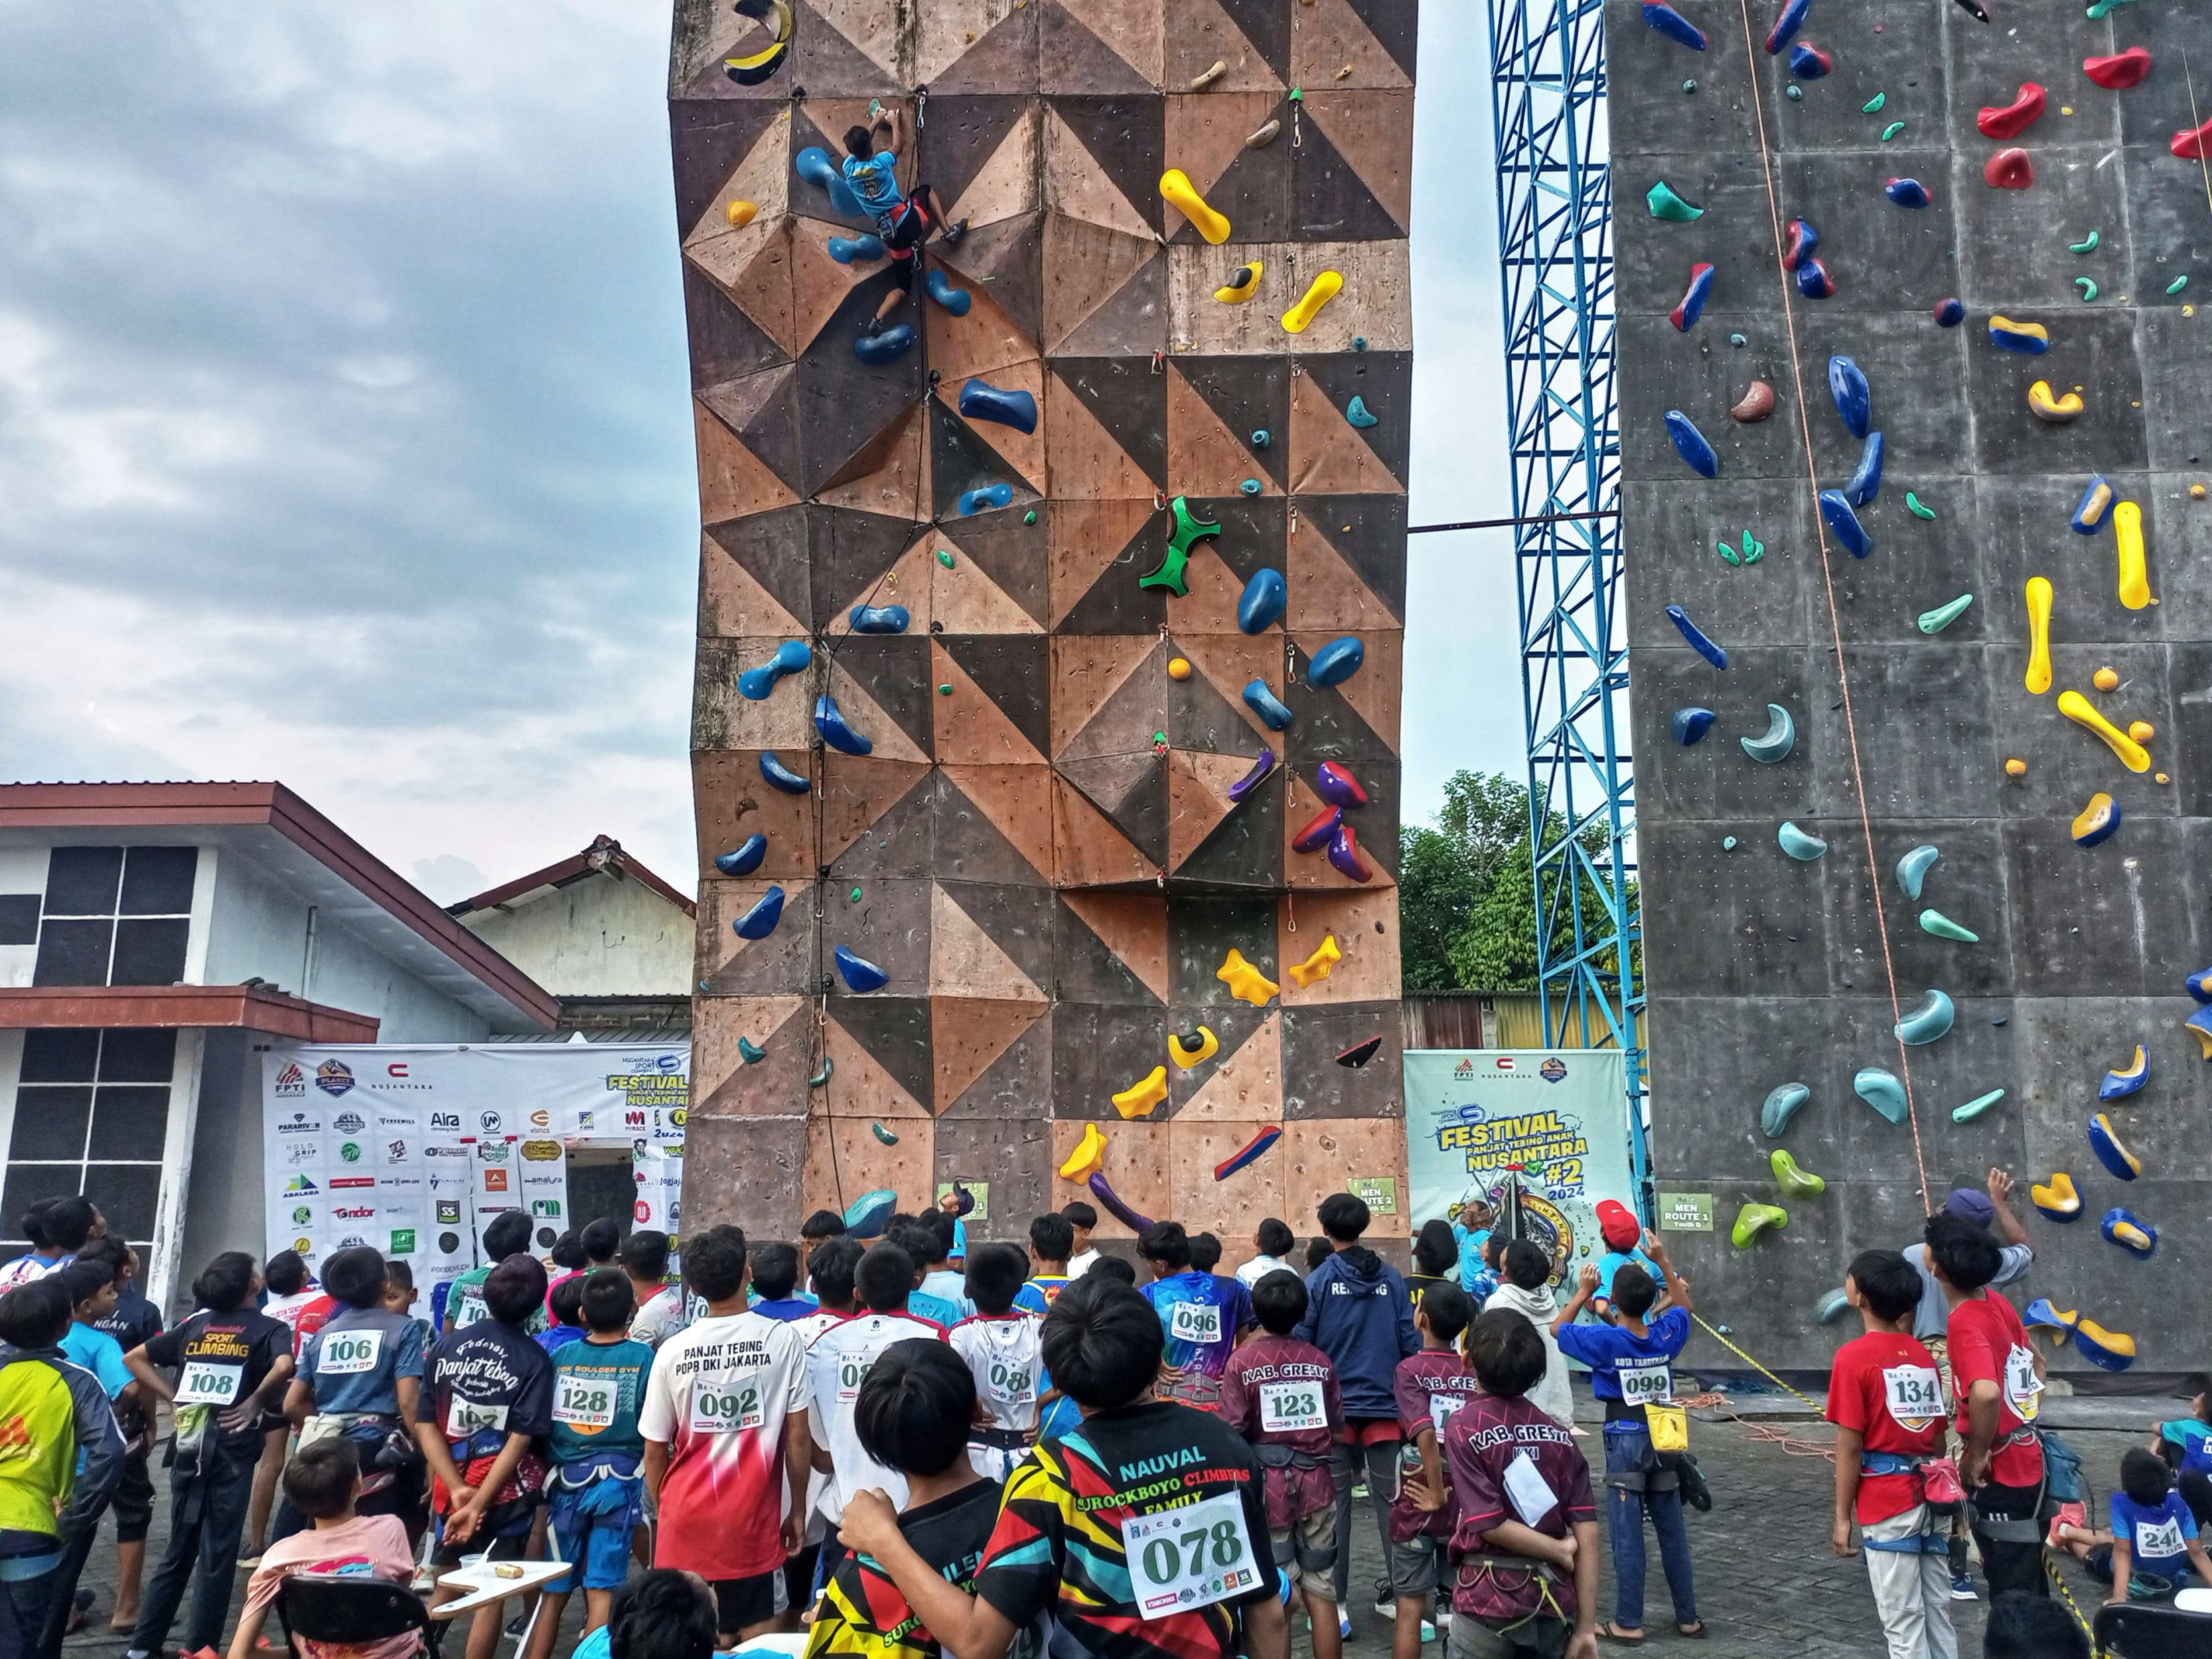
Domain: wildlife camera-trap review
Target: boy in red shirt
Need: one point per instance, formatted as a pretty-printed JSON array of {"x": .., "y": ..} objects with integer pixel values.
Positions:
[
  {"x": 1997, "y": 1379},
  {"x": 1431, "y": 1386},
  {"x": 1280, "y": 1395},
  {"x": 1886, "y": 1402}
]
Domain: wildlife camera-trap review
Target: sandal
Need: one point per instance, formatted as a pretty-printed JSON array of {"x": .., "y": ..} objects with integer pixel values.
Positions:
[
  {"x": 1692, "y": 1632},
  {"x": 1611, "y": 1631}
]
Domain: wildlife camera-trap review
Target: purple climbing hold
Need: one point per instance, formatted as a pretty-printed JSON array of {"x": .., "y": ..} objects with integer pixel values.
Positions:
[
  {"x": 1319, "y": 828},
  {"x": 1792, "y": 20},
  {"x": 1810, "y": 63},
  {"x": 1685, "y": 316},
  {"x": 1337, "y": 661},
  {"x": 1847, "y": 385},
  {"x": 1344, "y": 855},
  {"x": 1797, "y": 245},
  {"x": 1950, "y": 312},
  {"x": 1334, "y": 784},
  {"x": 1690, "y": 444},
  {"x": 1814, "y": 281},
  {"x": 1866, "y": 483},
  {"x": 1251, "y": 781},
  {"x": 1676, "y": 26},
  {"x": 1845, "y": 524},
  {"x": 1696, "y": 636},
  {"x": 1907, "y": 192}
]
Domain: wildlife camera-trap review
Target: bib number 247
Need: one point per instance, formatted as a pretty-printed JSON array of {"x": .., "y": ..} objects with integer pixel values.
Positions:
[{"x": 1181, "y": 1560}]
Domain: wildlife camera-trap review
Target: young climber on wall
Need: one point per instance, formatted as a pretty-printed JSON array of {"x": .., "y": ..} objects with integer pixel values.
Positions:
[{"x": 902, "y": 221}]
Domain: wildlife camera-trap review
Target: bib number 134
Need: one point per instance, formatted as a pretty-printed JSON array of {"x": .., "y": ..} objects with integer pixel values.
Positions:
[{"x": 1185, "y": 1559}]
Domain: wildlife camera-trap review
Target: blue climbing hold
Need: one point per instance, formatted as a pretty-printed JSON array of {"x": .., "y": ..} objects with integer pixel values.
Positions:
[
  {"x": 830, "y": 723},
  {"x": 879, "y": 618},
  {"x": 2095, "y": 506},
  {"x": 1267, "y": 705},
  {"x": 1356, "y": 412},
  {"x": 982, "y": 401},
  {"x": 2118, "y": 1084},
  {"x": 1676, "y": 26},
  {"x": 1907, "y": 192},
  {"x": 1930, "y": 1018},
  {"x": 1866, "y": 483},
  {"x": 985, "y": 497},
  {"x": 1250, "y": 487},
  {"x": 780, "y": 776},
  {"x": 866, "y": 1215},
  {"x": 2094, "y": 823},
  {"x": 1814, "y": 281},
  {"x": 1691, "y": 724},
  {"x": 1799, "y": 844},
  {"x": 814, "y": 164},
  {"x": 1833, "y": 1305},
  {"x": 1847, "y": 385},
  {"x": 1798, "y": 243},
  {"x": 861, "y": 975},
  {"x": 1791, "y": 19},
  {"x": 791, "y": 657},
  {"x": 1913, "y": 870},
  {"x": 2030, "y": 339},
  {"x": 885, "y": 345},
  {"x": 1692, "y": 307},
  {"x": 1845, "y": 524},
  {"x": 1950, "y": 314},
  {"x": 2199, "y": 985},
  {"x": 1696, "y": 636},
  {"x": 744, "y": 858},
  {"x": 1780, "y": 1105},
  {"x": 2105, "y": 1141},
  {"x": 1881, "y": 1090},
  {"x": 2124, "y": 1228},
  {"x": 848, "y": 250},
  {"x": 1810, "y": 63},
  {"x": 939, "y": 288},
  {"x": 1264, "y": 599},
  {"x": 760, "y": 921},
  {"x": 1337, "y": 661},
  {"x": 1690, "y": 444}
]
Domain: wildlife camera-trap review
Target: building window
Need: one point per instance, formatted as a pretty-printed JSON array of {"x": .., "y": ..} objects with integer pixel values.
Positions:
[
  {"x": 114, "y": 915},
  {"x": 92, "y": 1115}
]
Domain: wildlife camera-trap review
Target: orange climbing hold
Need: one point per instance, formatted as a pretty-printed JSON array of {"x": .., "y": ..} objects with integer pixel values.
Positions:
[{"x": 2107, "y": 679}]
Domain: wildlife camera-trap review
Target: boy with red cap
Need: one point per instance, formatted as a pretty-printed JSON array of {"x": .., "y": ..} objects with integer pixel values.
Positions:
[{"x": 1622, "y": 1235}]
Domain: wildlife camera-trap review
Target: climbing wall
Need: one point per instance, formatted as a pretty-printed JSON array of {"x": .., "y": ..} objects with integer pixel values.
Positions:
[
  {"x": 1885, "y": 688},
  {"x": 1041, "y": 865}
]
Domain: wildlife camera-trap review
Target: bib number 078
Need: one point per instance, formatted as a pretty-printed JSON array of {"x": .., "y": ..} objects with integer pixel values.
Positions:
[{"x": 1221, "y": 1544}]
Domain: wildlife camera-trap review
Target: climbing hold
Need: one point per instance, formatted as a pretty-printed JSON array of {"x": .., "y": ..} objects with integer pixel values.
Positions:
[
  {"x": 2199, "y": 985},
  {"x": 1913, "y": 870},
  {"x": 1793, "y": 1181},
  {"x": 1259, "y": 438},
  {"x": 1360, "y": 1053},
  {"x": 1755, "y": 405},
  {"x": 2111, "y": 1350},
  {"x": 1261, "y": 604},
  {"x": 1738, "y": 340},
  {"x": 1359, "y": 342},
  {"x": 1029, "y": 516},
  {"x": 1143, "y": 1097},
  {"x": 2038, "y": 677},
  {"x": 2088, "y": 287},
  {"x": 1323, "y": 289},
  {"x": 2105, "y": 679},
  {"x": 1250, "y": 487},
  {"x": 866, "y": 1217},
  {"x": 861, "y": 975},
  {"x": 2008, "y": 169},
  {"x": 2040, "y": 1315},
  {"x": 1881, "y": 1090},
  {"x": 1261, "y": 137},
  {"x": 1676, "y": 26},
  {"x": 1089, "y": 1154},
  {"x": 1907, "y": 192},
  {"x": 2032, "y": 339},
  {"x": 1728, "y": 843},
  {"x": 1690, "y": 444},
  {"x": 1975, "y": 9},
  {"x": 1692, "y": 305},
  {"x": 760, "y": 921},
  {"x": 945, "y": 689},
  {"x": 744, "y": 859},
  {"x": 740, "y": 213},
  {"x": 1205, "y": 77},
  {"x": 1780, "y": 739},
  {"x": 1111, "y": 1201},
  {"x": 2135, "y": 579},
  {"x": 2013, "y": 118},
  {"x": 1318, "y": 966},
  {"x": 2089, "y": 511},
  {"x": 2124, "y": 1228},
  {"x": 1936, "y": 922},
  {"x": 1344, "y": 855},
  {"x": 1691, "y": 724},
  {"x": 2086, "y": 246},
  {"x": 1791, "y": 19},
  {"x": 2096, "y": 821},
  {"x": 1814, "y": 281},
  {"x": 1336, "y": 661},
  {"x": 791, "y": 657},
  {"x": 780, "y": 776},
  {"x": 1888, "y": 133},
  {"x": 1267, "y": 705},
  {"x": 984, "y": 498},
  {"x": 1245, "y": 982},
  {"x": 1847, "y": 385},
  {"x": 1782, "y": 1104},
  {"x": 2105, "y": 1141},
  {"x": 750, "y": 1052},
  {"x": 1845, "y": 524},
  {"x": 1666, "y": 205},
  {"x": 1317, "y": 831},
  {"x": 2119, "y": 1084},
  {"x": 2056, "y": 1198},
  {"x": 1832, "y": 1306},
  {"x": 1914, "y": 506},
  {"x": 2119, "y": 71},
  {"x": 1201, "y": 1047},
  {"x": 1974, "y": 1107},
  {"x": 1260, "y": 768},
  {"x": 1810, "y": 63},
  {"x": 821, "y": 1077},
  {"x": 2077, "y": 708},
  {"x": 1689, "y": 86},
  {"x": 1798, "y": 843},
  {"x": 751, "y": 68},
  {"x": 1866, "y": 483},
  {"x": 2200, "y": 1027},
  {"x": 1754, "y": 1219},
  {"x": 886, "y": 1136},
  {"x": 982, "y": 401},
  {"x": 1244, "y": 282},
  {"x": 829, "y": 722},
  {"x": 1246, "y": 1153},
  {"x": 1696, "y": 636},
  {"x": 1950, "y": 314},
  {"x": 879, "y": 619},
  {"x": 2191, "y": 142},
  {"x": 2141, "y": 730},
  {"x": 1188, "y": 532},
  {"x": 813, "y": 164},
  {"x": 849, "y": 249},
  {"x": 1798, "y": 243},
  {"x": 1335, "y": 784},
  {"x": 1179, "y": 193},
  {"x": 1930, "y": 1018},
  {"x": 885, "y": 345},
  {"x": 1873, "y": 105},
  {"x": 1936, "y": 621},
  {"x": 2015, "y": 768}
]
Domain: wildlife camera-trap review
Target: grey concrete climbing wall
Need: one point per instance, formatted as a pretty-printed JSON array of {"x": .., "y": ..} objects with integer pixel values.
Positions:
[{"x": 1765, "y": 970}]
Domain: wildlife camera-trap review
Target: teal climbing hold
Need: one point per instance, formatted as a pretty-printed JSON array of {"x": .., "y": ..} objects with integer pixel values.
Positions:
[
  {"x": 1666, "y": 205},
  {"x": 2088, "y": 287},
  {"x": 1919, "y": 510},
  {"x": 1728, "y": 843},
  {"x": 1781, "y": 737},
  {"x": 1780, "y": 1106},
  {"x": 1356, "y": 412},
  {"x": 1832, "y": 1306},
  {"x": 1891, "y": 130},
  {"x": 1260, "y": 438},
  {"x": 1930, "y": 1018},
  {"x": 1794, "y": 94},
  {"x": 2101, "y": 9},
  {"x": 1752, "y": 551},
  {"x": 1739, "y": 340},
  {"x": 1936, "y": 922},
  {"x": 1881, "y": 1090},
  {"x": 1873, "y": 105},
  {"x": 1799, "y": 844},
  {"x": 750, "y": 1052},
  {"x": 1912, "y": 869},
  {"x": 1974, "y": 1107},
  {"x": 1250, "y": 486},
  {"x": 2176, "y": 285},
  {"x": 2089, "y": 246}
]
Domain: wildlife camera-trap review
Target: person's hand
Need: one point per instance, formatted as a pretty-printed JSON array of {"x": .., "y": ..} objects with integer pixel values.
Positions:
[
  {"x": 461, "y": 1521},
  {"x": 1999, "y": 1187},
  {"x": 1653, "y": 1248},
  {"x": 1587, "y": 1280},
  {"x": 1563, "y": 1553},
  {"x": 1974, "y": 1468},
  {"x": 870, "y": 1521},
  {"x": 794, "y": 1535},
  {"x": 1839, "y": 1537},
  {"x": 1426, "y": 1491},
  {"x": 1583, "y": 1644}
]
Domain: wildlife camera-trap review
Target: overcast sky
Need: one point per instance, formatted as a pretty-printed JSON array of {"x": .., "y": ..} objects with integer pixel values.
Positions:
[{"x": 344, "y": 436}]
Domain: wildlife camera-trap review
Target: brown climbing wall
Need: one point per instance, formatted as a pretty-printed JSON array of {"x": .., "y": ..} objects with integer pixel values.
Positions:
[{"x": 1039, "y": 850}]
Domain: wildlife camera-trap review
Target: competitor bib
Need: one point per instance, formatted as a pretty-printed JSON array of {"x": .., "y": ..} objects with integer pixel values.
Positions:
[
  {"x": 472, "y": 1309},
  {"x": 1182, "y": 1559},
  {"x": 583, "y": 1402},
  {"x": 1643, "y": 1381},
  {"x": 1010, "y": 1385},
  {"x": 2156, "y": 1540},
  {"x": 1287, "y": 1407},
  {"x": 2021, "y": 1384},
  {"x": 724, "y": 1407},
  {"x": 204, "y": 1383},
  {"x": 465, "y": 1418},
  {"x": 349, "y": 1353},
  {"x": 1913, "y": 1395},
  {"x": 1198, "y": 1322},
  {"x": 1441, "y": 1406}
]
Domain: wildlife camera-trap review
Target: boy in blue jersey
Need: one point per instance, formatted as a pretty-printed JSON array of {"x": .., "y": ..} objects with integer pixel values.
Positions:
[
  {"x": 2185, "y": 1442},
  {"x": 902, "y": 219},
  {"x": 1201, "y": 1317},
  {"x": 2155, "y": 1536}
]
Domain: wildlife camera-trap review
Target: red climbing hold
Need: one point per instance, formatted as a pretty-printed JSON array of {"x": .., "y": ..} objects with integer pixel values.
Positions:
[
  {"x": 2193, "y": 145},
  {"x": 2010, "y": 169},
  {"x": 2014, "y": 117},
  {"x": 2115, "y": 73},
  {"x": 1797, "y": 246}
]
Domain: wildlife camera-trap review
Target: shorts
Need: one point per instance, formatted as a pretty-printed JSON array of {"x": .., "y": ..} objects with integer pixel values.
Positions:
[
  {"x": 910, "y": 225},
  {"x": 505, "y": 1546},
  {"x": 133, "y": 1503},
  {"x": 1542, "y": 1637},
  {"x": 599, "y": 1543},
  {"x": 742, "y": 1603},
  {"x": 1371, "y": 1430},
  {"x": 1310, "y": 1547},
  {"x": 1416, "y": 1565},
  {"x": 798, "y": 1576}
]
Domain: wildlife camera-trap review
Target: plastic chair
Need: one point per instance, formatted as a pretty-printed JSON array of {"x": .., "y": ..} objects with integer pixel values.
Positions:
[
  {"x": 2147, "y": 1631},
  {"x": 350, "y": 1607}
]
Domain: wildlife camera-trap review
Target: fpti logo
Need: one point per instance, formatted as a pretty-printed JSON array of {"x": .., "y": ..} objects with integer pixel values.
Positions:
[
  {"x": 290, "y": 1079},
  {"x": 1553, "y": 1070},
  {"x": 349, "y": 1124},
  {"x": 1503, "y": 1062},
  {"x": 333, "y": 1076},
  {"x": 299, "y": 1185},
  {"x": 1464, "y": 1069}
]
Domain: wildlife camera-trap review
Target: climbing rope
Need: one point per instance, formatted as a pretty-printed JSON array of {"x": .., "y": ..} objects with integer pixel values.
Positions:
[
  {"x": 1835, "y": 623},
  {"x": 1755, "y": 1365}
]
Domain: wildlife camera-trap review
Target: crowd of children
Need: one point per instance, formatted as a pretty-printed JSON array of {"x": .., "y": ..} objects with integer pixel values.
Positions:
[{"x": 906, "y": 1447}]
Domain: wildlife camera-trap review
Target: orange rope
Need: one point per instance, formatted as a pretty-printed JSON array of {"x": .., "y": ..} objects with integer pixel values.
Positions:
[{"x": 1827, "y": 580}]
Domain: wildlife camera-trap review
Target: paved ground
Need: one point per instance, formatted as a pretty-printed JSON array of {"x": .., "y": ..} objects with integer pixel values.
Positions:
[{"x": 1767, "y": 1583}]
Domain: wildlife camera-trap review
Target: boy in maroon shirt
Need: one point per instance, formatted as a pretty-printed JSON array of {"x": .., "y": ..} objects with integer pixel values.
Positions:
[
  {"x": 1431, "y": 1386},
  {"x": 1886, "y": 1402},
  {"x": 1526, "y": 1537},
  {"x": 1280, "y": 1395}
]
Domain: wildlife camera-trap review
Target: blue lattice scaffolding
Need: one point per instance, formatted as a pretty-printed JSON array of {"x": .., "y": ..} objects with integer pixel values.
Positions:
[{"x": 1547, "y": 79}]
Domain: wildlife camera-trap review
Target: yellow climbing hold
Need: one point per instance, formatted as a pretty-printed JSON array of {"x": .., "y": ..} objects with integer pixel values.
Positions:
[
  {"x": 1245, "y": 982},
  {"x": 2135, "y": 577},
  {"x": 1089, "y": 1154},
  {"x": 1208, "y": 1046},
  {"x": 1179, "y": 193},
  {"x": 2105, "y": 679},
  {"x": 1178, "y": 668},
  {"x": 1318, "y": 966},
  {"x": 1244, "y": 282},
  {"x": 2077, "y": 708},
  {"x": 2141, "y": 730},
  {"x": 2015, "y": 768},
  {"x": 1324, "y": 288},
  {"x": 1140, "y": 1097},
  {"x": 2058, "y": 410},
  {"x": 2039, "y": 634},
  {"x": 741, "y": 214}
]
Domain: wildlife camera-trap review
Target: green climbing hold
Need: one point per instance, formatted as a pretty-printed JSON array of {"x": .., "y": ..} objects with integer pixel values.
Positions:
[
  {"x": 1796, "y": 1183},
  {"x": 1936, "y": 922},
  {"x": 945, "y": 690},
  {"x": 750, "y": 1052},
  {"x": 1754, "y": 1219},
  {"x": 1751, "y": 552},
  {"x": 2088, "y": 246},
  {"x": 1665, "y": 204},
  {"x": 856, "y": 895},
  {"x": 2176, "y": 285},
  {"x": 1918, "y": 511},
  {"x": 2102, "y": 9},
  {"x": 1891, "y": 130},
  {"x": 1738, "y": 340},
  {"x": 822, "y": 1077},
  {"x": 883, "y": 1135},
  {"x": 1936, "y": 621},
  {"x": 1297, "y": 94},
  {"x": 1874, "y": 104},
  {"x": 1728, "y": 553},
  {"x": 2087, "y": 286},
  {"x": 1188, "y": 530},
  {"x": 1029, "y": 516},
  {"x": 945, "y": 558},
  {"x": 1974, "y": 1107}
]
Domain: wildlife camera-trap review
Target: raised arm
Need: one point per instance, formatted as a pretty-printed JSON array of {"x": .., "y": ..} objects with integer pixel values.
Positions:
[
  {"x": 1585, "y": 1288},
  {"x": 1678, "y": 1287},
  {"x": 2008, "y": 1227}
]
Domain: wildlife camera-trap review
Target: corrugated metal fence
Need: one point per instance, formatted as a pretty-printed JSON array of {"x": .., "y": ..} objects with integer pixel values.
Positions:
[{"x": 1479, "y": 1020}]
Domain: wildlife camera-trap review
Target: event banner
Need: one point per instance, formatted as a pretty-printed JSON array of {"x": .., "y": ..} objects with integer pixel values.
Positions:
[
  {"x": 412, "y": 1148},
  {"x": 1560, "y": 1117}
]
